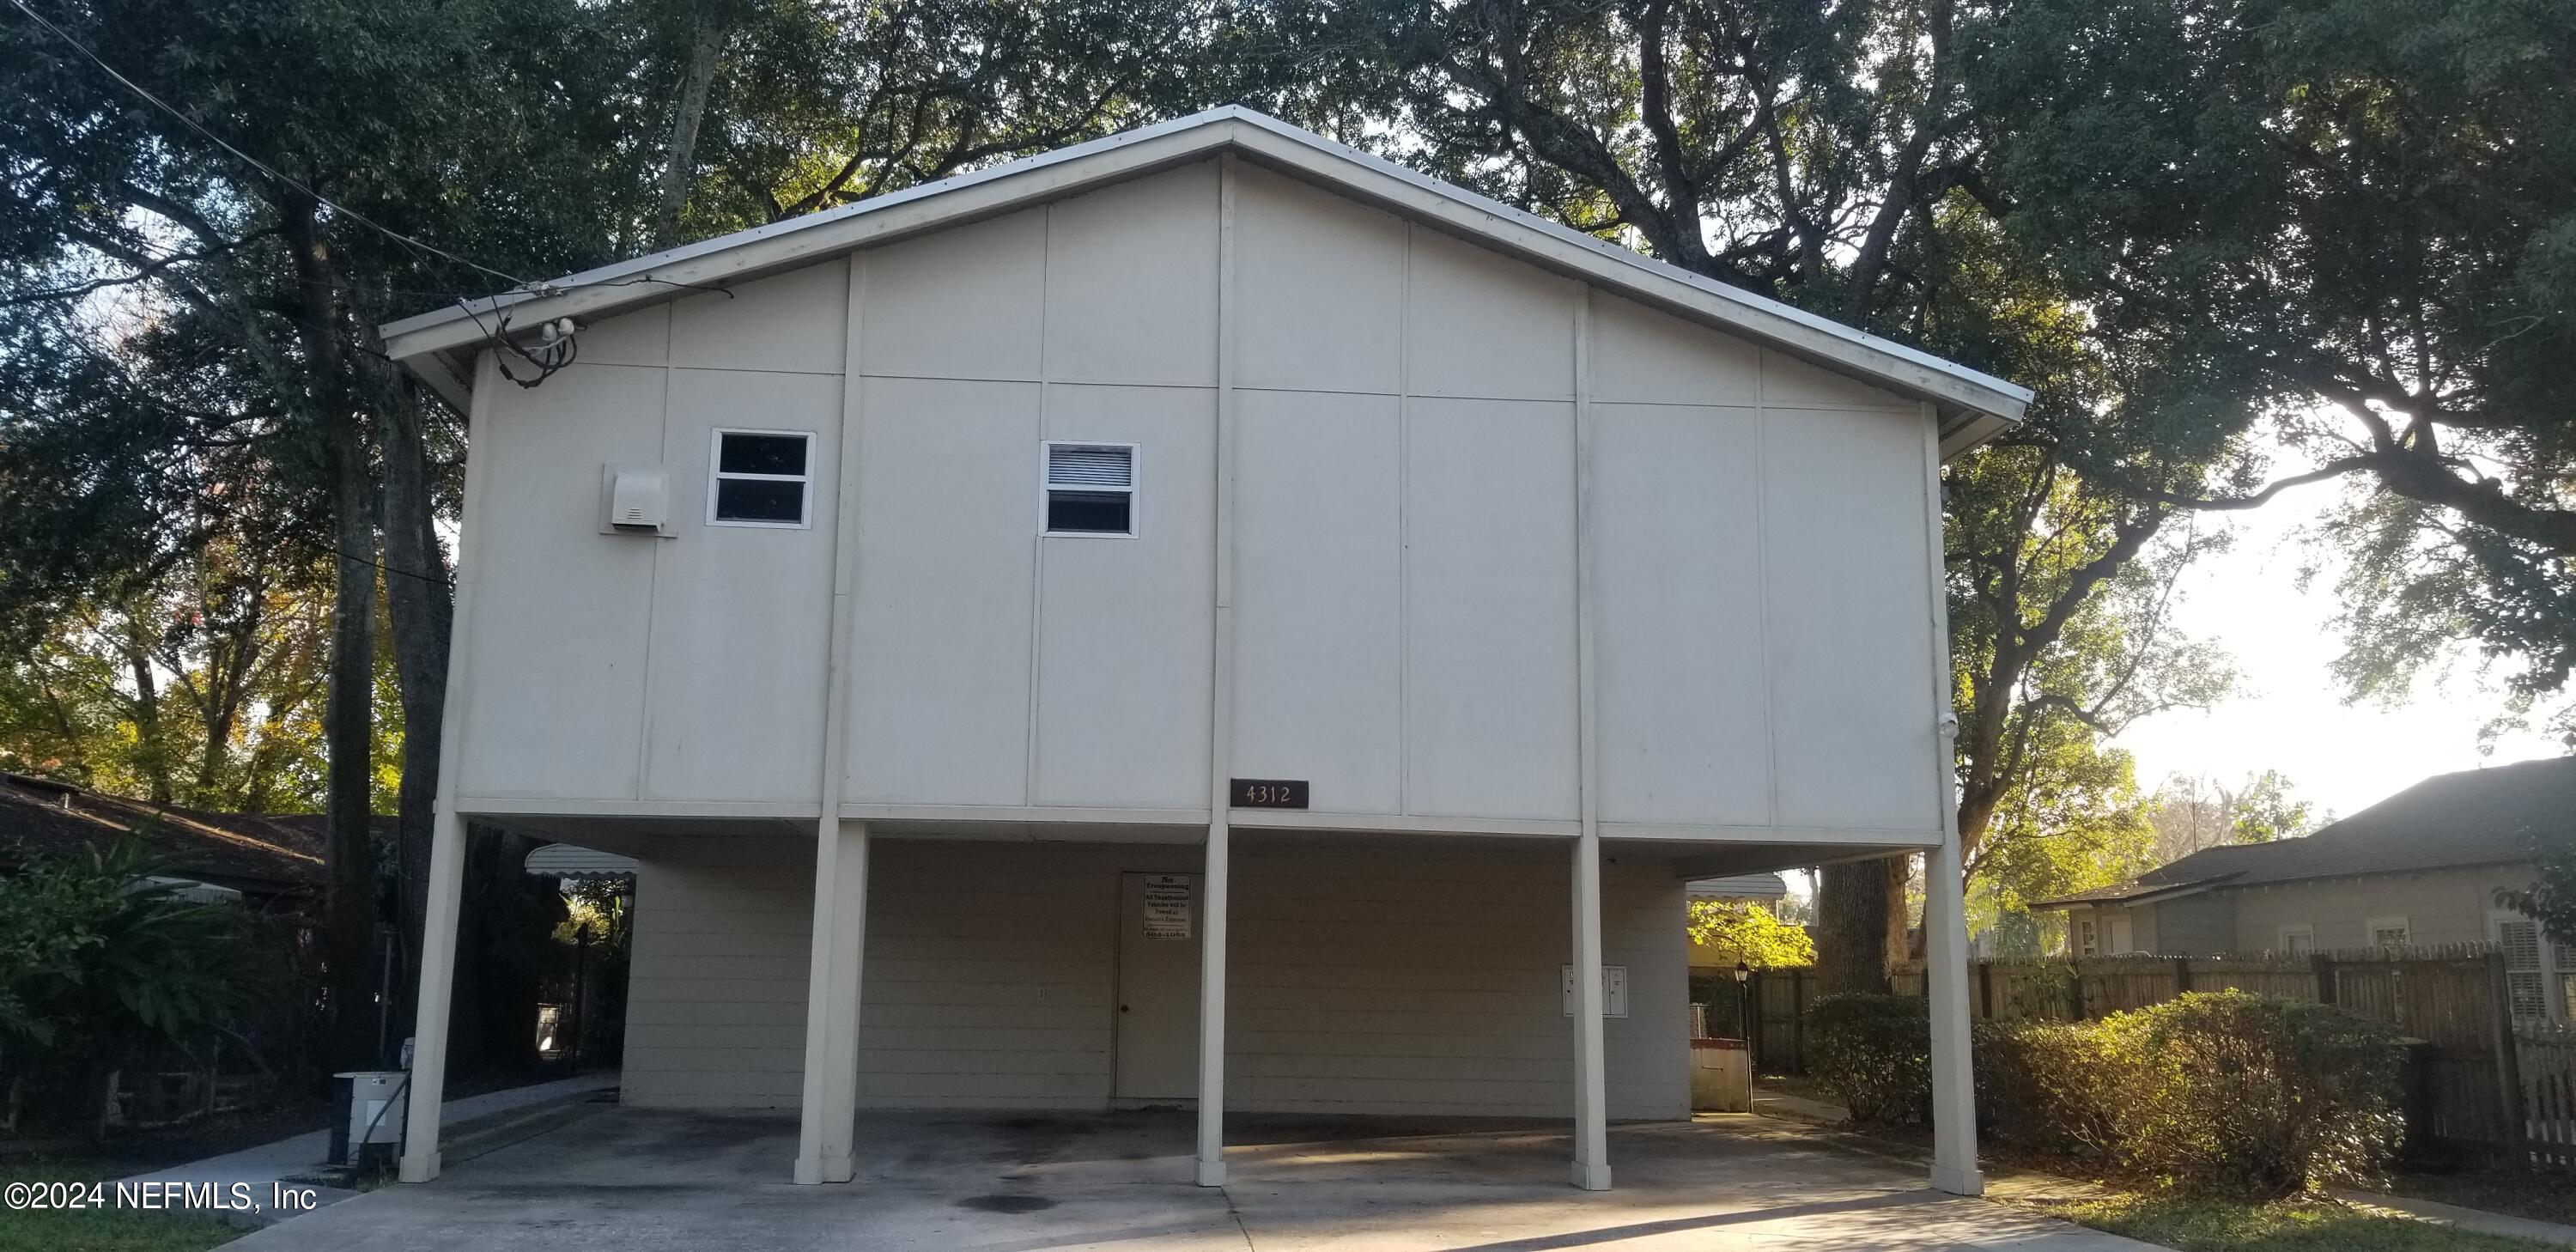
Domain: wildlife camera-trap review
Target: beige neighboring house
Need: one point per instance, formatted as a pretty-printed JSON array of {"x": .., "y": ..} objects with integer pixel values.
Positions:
[{"x": 2417, "y": 869}]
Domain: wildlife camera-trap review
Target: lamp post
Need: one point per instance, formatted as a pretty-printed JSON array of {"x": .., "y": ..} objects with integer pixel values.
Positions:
[{"x": 1744, "y": 1005}]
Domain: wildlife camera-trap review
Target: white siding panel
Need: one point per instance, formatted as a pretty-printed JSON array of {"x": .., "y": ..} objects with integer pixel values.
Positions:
[
  {"x": 948, "y": 518},
  {"x": 556, "y": 692},
  {"x": 1131, "y": 281},
  {"x": 1318, "y": 637},
  {"x": 642, "y": 337},
  {"x": 1319, "y": 286},
  {"x": 1646, "y": 357},
  {"x": 1489, "y": 609},
  {"x": 1849, "y": 599},
  {"x": 1479, "y": 325},
  {"x": 1790, "y": 382},
  {"x": 796, "y": 322},
  {"x": 740, "y": 613},
  {"x": 957, "y": 304},
  {"x": 1123, "y": 634},
  {"x": 715, "y": 1001},
  {"x": 1684, "y": 723}
]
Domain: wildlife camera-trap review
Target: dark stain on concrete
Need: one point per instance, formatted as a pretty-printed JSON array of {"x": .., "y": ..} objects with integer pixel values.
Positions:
[{"x": 1005, "y": 1203}]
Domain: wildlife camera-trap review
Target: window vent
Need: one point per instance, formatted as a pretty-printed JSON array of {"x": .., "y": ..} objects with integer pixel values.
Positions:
[{"x": 1091, "y": 489}]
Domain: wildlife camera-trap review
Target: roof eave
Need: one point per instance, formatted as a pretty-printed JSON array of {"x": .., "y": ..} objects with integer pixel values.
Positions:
[{"x": 440, "y": 345}]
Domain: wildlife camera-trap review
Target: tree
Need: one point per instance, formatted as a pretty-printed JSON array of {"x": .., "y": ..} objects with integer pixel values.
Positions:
[
  {"x": 2265, "y": 811},
  {"x": 2358, "y": 215},
  {"x": 101, "y": 965},
  {"x": 2551, "y": 898},
  {"x": 2196, "y": 813},
  {"x": 1748, "y": 934}
]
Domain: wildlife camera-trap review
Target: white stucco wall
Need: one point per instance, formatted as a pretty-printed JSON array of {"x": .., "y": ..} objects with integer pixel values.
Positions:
[
  {"x": 1404, "y": 524},
  {"x": 1416, "y": 977}
]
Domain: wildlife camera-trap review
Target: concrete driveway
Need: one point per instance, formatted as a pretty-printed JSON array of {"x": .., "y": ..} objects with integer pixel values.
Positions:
[{"x": 646, "y": 1179}]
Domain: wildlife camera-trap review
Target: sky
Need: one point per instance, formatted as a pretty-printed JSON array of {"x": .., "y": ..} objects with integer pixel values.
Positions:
[{"x": 2285, "y": 714}]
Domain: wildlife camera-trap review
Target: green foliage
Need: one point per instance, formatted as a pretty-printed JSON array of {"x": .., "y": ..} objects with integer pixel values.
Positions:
[
  {"x": 2052, "y": 1087},
  {"x": 2265, "y": 811},
  {"x": 1873, "y": 1052},
  {"x": 1749, "y": 934},
  {"x": 2351, "y": 218},
  {"x": 2216, "y": 1093},
  {"x": 2551, "y": 898},
  {"x": 2298, "y": 1224},
  {"x": 101, "y": 966}
]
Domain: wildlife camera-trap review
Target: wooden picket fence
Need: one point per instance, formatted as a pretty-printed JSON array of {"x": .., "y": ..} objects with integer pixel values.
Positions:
[{"x": 2483, "y": 1084}]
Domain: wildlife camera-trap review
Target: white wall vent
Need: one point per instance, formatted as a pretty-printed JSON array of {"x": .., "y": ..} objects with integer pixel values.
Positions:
[{"x": 635, "y": 500}]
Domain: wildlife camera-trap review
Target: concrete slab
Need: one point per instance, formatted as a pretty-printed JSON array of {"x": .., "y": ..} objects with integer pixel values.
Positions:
[
  {"x": 258, "y": 1175},
  {"x": 649, "y": 1179}
]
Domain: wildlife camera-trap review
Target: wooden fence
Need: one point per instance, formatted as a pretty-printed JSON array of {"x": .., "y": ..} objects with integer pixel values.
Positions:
[{"x": 2484, "y": 1084}]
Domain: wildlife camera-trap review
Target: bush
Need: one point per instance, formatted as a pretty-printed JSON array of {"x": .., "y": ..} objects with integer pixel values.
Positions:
[
  {"x": 2234, "y": 1094},
  {"x": 2222, "y": 1093},
  {"x": 2051, "y": 1086},
  {"x": 1874, "y": 1052}
]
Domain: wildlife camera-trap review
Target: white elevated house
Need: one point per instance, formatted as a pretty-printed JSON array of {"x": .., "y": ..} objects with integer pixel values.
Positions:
[{"x": 1204, "y": 616}]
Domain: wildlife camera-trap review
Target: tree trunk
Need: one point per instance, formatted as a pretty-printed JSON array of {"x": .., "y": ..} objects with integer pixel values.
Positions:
[
  {"x": 420, "y": 606},
  {"x": 150, "y": 748},
  {"x": 706, "y": 42},
  {"x": 349, "y": 906},
  {"x": 1860, "y": 924}
]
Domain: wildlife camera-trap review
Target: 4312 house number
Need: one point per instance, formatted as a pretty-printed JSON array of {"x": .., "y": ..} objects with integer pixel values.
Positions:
[{"x": 1269, "y": 793}]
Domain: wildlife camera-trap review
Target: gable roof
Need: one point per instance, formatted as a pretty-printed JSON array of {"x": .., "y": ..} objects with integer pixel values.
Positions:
[
  {"x": 2474, "y": 817},
  {"x": 279, "y": 854},
  {"x": 440, "y": 345}
]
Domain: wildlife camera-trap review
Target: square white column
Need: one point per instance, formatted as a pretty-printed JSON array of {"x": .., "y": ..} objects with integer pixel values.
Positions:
[
  {"x": 1210, "y": 1171},
  {"x": 824, "y": 1139},
  {"x": 1954, "y": 1093},
  {"x": 437, "y": 985},
  {"x": 1591, "y": 1124}
]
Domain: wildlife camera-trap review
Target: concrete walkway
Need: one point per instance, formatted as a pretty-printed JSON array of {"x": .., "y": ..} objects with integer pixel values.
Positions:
[
  {"x": 652, "y": 1179},
  {"x": 264, "y": 1173},
  {"x": 2453, "y": 1215}
]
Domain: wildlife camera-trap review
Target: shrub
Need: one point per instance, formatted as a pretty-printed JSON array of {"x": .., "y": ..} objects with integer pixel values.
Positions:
[
  {"x": 1874, "y": 1052},
  {"x": 2051, "y": 1086},
  {"x": 2235, "y": 1094}
]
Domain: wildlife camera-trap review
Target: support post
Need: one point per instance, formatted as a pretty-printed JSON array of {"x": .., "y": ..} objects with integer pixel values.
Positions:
[
  {"x": 829, "y": 1124},
  {"x": 1210, "y": 1169},
  {"x": 1945, "y": 946},
  {"x": 1945, "y": 904},
  {"x": 1215, "y": 881},
  {"x": 446, "y": 889},
  {"x": 437, "y": 983},
  {"x": 1591, "y": 1124}
]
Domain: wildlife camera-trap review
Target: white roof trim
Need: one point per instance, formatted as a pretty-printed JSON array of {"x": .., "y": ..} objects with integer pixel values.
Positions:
[{"x": 1975, "y": 406}]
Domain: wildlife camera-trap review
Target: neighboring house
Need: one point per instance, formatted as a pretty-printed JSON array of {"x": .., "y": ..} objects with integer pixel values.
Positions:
[
  {"x": 1203, "y": 617},
  {"x": 266, "y": 861},
  {"x": 1766, "y": 890},
  {"x": 2417, "y": 869}
]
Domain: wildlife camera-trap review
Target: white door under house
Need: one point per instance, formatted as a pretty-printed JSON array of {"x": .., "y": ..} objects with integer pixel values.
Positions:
[{"x": 1158, "y": 988}]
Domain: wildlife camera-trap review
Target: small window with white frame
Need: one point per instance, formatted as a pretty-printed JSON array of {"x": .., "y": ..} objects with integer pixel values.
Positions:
[
  {"x": 1090, "y": 489},
  {"x": 2088, "y": 938},
  {"x": 2390, "y": 932},
  {"x": 2298, "y": 940},
  {"x": 761, "y": 478}
]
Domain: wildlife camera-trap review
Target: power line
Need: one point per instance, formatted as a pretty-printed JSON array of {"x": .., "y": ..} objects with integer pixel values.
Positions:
[{"x": 254, "y": 162}]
